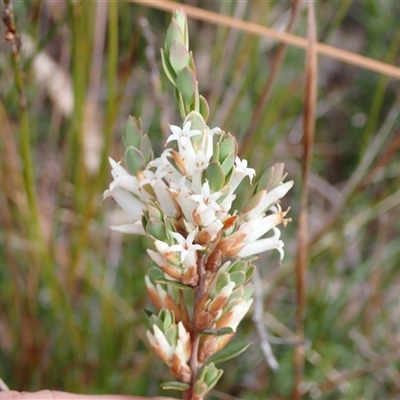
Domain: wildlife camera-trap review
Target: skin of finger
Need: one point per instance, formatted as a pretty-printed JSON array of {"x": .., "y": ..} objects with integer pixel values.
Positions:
[{"x": 55, "y": 395}]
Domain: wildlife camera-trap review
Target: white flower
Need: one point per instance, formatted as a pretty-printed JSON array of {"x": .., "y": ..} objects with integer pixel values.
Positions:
[
  {"x": 255, "y": 228},
  {"x": 127, "y": 201},
  {"x": 239, "y": 173},
  {"x": 186, "y": 247},
  {"x": 259, "y": 246},
  {"x": 267, "y": 199},
  {"x": 182, "y": 136},
  {"x": 207, "y": 205},
  {"x": 238, "y": 312}
]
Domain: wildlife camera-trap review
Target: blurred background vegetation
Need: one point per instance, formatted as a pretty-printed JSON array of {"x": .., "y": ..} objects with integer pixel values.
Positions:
[{"x": 72, "y": 290}]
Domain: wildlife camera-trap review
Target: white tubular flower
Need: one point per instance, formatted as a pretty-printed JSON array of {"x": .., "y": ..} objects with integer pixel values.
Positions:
[
  {"x": 135, "y": 228},
  {"x": 124, "y": 180},
  {"x": 204, "y": 213},
  {"x": 259, "y": 246},
  {"x": 182, "y": 195},
  {"x": 240, "y": 172},
  {"x": 186, "y": 247},
  {"x": 255, "y": 228},
  {"x": 267, "y": 199},
  {"x": 182, "y": 136},
  {"x": 209, "y": 139},
  {"x": 238, "y": 312},
  {"x": 127, "y": 201},
  {"x": 196, "y": 168}
]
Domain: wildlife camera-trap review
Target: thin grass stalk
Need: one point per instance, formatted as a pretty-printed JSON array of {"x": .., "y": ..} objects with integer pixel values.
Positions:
[
  {"x": 302, "y": 230},
  {"x": 255, "y": 29},
  {"x": 266, "y": 90},
  {"x": 14, "y": 39},
  {"x": 112, "y": 80},
  {"x": 379, "y": 96}
]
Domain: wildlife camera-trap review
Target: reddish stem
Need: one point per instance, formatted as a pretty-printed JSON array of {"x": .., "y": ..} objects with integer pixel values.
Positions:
[{"x": 195, "y": 333}]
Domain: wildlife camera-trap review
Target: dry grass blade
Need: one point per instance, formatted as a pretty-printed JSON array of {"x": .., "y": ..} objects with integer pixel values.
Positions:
[
  {"x": 250, "y": 27},
  {"x": 266, "y": 90},
  {"x": 302, "y": 230}
]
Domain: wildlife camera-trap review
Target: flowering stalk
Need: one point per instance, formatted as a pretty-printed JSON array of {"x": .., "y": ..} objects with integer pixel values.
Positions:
[{"x": 182, "y": 200}]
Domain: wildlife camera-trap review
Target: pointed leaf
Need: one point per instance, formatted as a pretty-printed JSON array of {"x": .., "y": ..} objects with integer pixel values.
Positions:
[
  {"x": 271, "y": 176},
  {"x": 186, "y": 84},
  {"x": 154, "y": 274},
  {"x": 173, "y": 284},
  {"x": 181, "y": 19},
  {"x": 250, "y": 273},
  {"x": 254, "y": 202},
  {"x": 228, "y": 146},
  {"x": 181, "y": 105},
  {"x": 197, "y": 121},
  {"x": 248, "y": 292},
  {"x": 134, "y": 160},
  {"x": 215, "y": 176},
  {"x": 227, "y": 164},
  {"x": 133, "y": 132},
  {"x": 169, "y": 71},
  {"x": 239, "y": 277},
  {"x": 232, "y": 349},
  {"x": 218, "y": 332},
  {"x": 156, "y": 229},
  {"x": 204, "y": 108},
  {"x": 215, "y": 156},
  {"x": 174, "y": 31},
  {"x": 175, "y": 385},
  {"x": 178, "y": 56},
  {"x": 146, "y": 148}
]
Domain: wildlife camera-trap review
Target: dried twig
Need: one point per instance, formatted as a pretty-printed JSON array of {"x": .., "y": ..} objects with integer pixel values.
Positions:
[{"x": 250, "y": 27}]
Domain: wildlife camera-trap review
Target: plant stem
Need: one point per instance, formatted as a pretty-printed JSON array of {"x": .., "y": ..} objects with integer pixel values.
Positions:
[{"x": 195, "y": 333}]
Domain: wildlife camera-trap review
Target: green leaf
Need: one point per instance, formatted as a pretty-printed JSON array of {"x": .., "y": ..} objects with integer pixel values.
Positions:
[
  {"x": 186, "y": 84},
  {"x": 250, "y": 273},
  {"x": 175, "y": 385},
  {"x": 178, "y": 56},
  {"x": 228, "y": 147},
  {"x": 156, "y": 229},
  {"x": 133, "y": 132},
  {"x": 227, "y": 164},
  {"x": 215, "y": 156},
  {"x": 222, "y": 280},
  {"x": 181, "y": 20},
  {"x": 239, "y": 277},
  {"x": 215, "y": 176},
  {"x": 146, "y": 148},
  {"x": 134, "y": 160},
  {"x": 218, "y": 331},
  {"x": 231, "y": 350},
  {"x": 204, "y": 108},
  {"x": 181, "y": 104},
  {"x": 253, "y": 202},
  {"x": 173, "y": 283},
  {"x": 169, "y": 71},
  {"x": 155, "y": 274},
  {"x": 174, "y": 32},
  {"x": 197, "y": 121},
  {"x": 248, "y": 292},
  {"x": 271, "y": 176}
]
